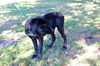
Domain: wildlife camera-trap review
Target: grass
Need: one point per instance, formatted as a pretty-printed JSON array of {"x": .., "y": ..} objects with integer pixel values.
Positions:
[{"x": 81, "y": 21}]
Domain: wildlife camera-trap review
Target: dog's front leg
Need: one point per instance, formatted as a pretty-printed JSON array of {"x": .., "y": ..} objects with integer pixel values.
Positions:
[
  {"x": 34, "y": 40},
  {"x": 53, "y": 40},
  {"x": 40, "y": 46}
]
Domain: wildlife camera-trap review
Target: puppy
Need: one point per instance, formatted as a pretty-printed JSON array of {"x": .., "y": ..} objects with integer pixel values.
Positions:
[{"x": 36, "y": 28}]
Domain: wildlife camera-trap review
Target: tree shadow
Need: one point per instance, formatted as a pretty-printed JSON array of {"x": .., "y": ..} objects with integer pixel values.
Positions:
[
  {"x": 10, "y": 25},
  {"x": 79, "y": 23}
]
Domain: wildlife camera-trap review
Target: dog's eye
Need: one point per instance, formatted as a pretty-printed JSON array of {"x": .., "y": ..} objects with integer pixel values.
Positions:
[
  {"x": 27, "y": 29},
  {"x": 30, "y": 29}
]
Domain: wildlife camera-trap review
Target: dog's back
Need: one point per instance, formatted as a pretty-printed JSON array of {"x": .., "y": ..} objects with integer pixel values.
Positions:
[
  {"x": 53, "y": 14},
  {"x": 54, "y": 19}
]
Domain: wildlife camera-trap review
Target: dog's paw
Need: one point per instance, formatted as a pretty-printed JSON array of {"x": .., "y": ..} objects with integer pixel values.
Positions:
[
  {"x": 64, "y": 48},
  {"x": 34, "y": 56},
  {"x": 49, "y": 46},
  {"x": 39, "y": 57}
]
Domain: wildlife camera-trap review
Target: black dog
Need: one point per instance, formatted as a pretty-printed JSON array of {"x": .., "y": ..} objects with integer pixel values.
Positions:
[{"x": 39, "y": 26}]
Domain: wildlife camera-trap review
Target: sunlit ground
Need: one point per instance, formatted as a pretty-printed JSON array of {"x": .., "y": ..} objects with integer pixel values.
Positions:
[
  {"x": 4, "y": 2},
  {"x": 82, "y": 28}
]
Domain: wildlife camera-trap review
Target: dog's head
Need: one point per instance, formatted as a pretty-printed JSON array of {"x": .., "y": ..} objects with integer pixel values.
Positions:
[{"x": 37, "y": 25}]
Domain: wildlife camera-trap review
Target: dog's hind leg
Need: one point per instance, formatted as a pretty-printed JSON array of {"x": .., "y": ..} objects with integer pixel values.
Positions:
[{"x": 61, "y": 30}]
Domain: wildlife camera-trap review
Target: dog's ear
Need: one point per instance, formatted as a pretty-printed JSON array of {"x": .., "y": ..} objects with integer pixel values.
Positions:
[
  {"x": 33, "y": 24},
  {"x": 34, "y": 20},
  {"x": 47, "y": 29},
  {"x": 38, "y": 20},
  {"x": 42, "y": 21}
]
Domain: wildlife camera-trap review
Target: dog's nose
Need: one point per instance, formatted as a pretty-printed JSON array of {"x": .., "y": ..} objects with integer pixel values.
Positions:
[{"x": 31, "y": 34}]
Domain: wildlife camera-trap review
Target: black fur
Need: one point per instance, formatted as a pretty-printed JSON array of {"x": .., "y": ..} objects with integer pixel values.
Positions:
[{"x": 39, "y": 26}]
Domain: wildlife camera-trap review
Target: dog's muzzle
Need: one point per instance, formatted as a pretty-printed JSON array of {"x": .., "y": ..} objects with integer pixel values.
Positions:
[{"x": 32, "y": 34}]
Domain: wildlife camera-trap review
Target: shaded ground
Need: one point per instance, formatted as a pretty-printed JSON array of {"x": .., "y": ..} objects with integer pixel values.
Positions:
[{"x": 82, "y": 27}]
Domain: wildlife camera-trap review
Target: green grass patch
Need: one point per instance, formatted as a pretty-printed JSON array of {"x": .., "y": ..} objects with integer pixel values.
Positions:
[
  {"x": 3, "y": 36},
  {"x": 76, "y": 15}
]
